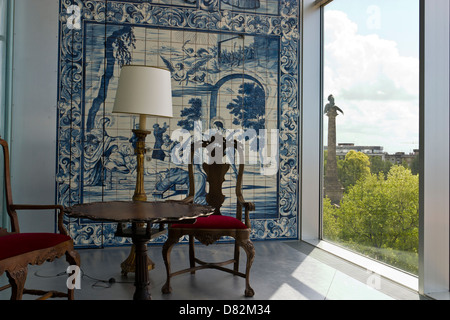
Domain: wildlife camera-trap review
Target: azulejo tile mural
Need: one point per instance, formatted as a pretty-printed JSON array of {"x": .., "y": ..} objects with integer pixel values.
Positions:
[{"x": 234, "y": 65}]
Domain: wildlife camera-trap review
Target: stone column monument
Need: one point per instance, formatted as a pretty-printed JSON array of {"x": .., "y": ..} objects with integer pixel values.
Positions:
[{"x": 332, "y": 186}]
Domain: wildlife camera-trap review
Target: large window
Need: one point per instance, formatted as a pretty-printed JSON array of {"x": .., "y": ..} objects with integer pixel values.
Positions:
[{"x": 371, "y": 129}]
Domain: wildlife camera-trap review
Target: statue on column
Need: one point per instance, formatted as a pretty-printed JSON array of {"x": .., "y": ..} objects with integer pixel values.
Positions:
[{"x": 332, "y": 186}]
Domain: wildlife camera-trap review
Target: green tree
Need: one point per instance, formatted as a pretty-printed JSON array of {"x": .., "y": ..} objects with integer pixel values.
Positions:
[
  {"x": 378, "y": 165},
  {"x": 415, "y": 165},
  {"x": 378, "y": 216},
  {"x": 354, "y": 167},
  {"x": 331, "y": 228},
  {"x": 402, "y": 189}
]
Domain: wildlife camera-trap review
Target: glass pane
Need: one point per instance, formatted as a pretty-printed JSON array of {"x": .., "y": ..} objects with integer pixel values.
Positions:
[
  {"x": 2, "y": 17},
  {"x": 371, "y": 129}
]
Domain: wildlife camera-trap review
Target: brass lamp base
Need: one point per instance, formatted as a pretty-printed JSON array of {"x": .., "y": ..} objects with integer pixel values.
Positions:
[
  {"x": 139, "y": 195},
  {"x": 129, "y": 265}
]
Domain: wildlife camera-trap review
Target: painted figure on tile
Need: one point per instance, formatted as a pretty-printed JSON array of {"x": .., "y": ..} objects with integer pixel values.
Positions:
[
  {"x": 121, "y": 159},
  {"x": 186, "y": 71},
  {"x": 167, "y": 146},
  {"x": 174, "y": 177},
  {"x": 158, "y": 133},
  {"x": 190, "y": 65},
  {"x": 233, "y": 51},
  {"x": 104, "y": 155}
]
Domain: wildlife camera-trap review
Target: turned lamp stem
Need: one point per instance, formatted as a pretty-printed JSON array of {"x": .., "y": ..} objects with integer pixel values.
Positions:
[{"x": 141, "y": 134}]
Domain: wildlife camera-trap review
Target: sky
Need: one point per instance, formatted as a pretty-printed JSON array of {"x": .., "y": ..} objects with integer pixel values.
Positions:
[{"x": 371, "y": 66}]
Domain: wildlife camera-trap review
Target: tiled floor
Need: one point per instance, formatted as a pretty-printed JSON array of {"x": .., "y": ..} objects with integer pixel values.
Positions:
[{"x": 281, "y": 271}]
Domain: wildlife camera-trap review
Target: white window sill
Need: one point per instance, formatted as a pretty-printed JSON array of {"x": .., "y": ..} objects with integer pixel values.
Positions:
[{"x": 401, "y": 277}]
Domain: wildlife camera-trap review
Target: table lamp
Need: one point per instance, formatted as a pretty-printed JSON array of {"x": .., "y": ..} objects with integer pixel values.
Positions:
[{"x": 144, "y": 91}]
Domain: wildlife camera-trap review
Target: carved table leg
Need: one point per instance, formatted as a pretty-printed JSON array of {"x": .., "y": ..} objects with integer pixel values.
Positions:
[
  {"x": 142, "y": 281},
  {"x": 129, "y": 264}
]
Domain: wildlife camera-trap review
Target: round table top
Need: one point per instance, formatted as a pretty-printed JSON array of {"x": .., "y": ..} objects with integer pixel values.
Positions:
[{"x": 139, "y": 211}]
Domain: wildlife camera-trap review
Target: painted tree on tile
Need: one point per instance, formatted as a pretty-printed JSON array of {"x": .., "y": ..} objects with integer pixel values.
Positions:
[
  {"x": 117, "y": 50},
  {"x": 248, "y": 107}
]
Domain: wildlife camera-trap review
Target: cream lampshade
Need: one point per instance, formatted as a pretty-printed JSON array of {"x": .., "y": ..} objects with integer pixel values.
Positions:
[{"x": 146, "y": 91}]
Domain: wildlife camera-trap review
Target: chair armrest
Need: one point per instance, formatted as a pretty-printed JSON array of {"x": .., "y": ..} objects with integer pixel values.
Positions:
[
  {"x": 60, "y": 209},
  {"x": 4, "y": 232},
  {"x": 189, "y": 199},
  {"x": 248, "y": 206}
]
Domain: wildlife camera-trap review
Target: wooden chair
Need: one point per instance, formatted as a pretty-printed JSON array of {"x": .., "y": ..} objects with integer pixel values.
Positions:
[
  {"x": 208, "y": 230},
  {"x": 18, "y": 250}
]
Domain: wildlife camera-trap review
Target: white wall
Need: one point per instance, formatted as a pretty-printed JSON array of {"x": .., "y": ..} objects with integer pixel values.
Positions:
[{"x": 33, "y": 137}]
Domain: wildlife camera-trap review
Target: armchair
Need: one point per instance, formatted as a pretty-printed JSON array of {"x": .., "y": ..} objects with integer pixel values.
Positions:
[
  {"x": 18, "y": 250},
  {"x": 210, "y": 229}
]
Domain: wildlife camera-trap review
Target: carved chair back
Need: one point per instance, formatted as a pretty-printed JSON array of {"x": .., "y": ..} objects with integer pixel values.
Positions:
[
  {"x": 216, "y": 159},
  {"x": 8, "y": 193}
]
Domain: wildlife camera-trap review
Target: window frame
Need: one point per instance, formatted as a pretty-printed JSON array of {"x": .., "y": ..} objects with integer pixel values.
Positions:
[
  {"x": 6, "y": 92},
  {"x": 7, "y": 60},
  {"x": 3, "y": 61},
  {"x": 434, "y": 235}
]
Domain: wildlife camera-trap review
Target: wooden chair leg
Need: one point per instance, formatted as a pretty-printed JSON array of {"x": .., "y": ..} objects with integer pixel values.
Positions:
[
  {"x": 17, "y": 280},
  {"x": 73, "y": 258},
  {"x": 192, "y": 253},
  {"x": 236, "y": 256},
  {"x": 249, "y": 249},
  {"x": 166, "y": 250}
]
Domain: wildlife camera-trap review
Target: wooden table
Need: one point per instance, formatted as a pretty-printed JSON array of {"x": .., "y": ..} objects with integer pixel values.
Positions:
[{"x": 138, "y": 214}]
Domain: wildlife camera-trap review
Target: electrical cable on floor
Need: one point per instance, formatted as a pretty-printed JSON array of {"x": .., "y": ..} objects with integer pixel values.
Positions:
[{"x": 98, "y": 282}]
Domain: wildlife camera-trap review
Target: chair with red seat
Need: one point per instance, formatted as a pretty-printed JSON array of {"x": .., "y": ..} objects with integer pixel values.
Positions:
[
  {"x": 210, "y": 229},
  {"x": 18, "y": 250}
]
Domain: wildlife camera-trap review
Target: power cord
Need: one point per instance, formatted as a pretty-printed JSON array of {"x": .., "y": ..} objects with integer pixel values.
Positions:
[{"x": 99, "y": 283}]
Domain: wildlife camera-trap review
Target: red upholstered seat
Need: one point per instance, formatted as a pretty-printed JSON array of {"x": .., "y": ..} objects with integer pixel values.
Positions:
[
  {"x": 214, "y": 222},
  {"x": 20, "y": 243}
]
